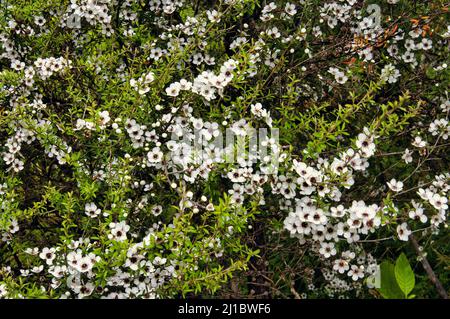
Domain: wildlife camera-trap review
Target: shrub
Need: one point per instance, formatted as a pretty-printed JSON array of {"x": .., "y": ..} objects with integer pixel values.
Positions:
[{"x": 161, "y": 149}]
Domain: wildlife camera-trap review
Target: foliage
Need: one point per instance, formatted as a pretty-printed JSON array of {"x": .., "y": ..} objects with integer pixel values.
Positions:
[
  {"x": 397, "y": 281},
  {"x": 115, "y": 183}
]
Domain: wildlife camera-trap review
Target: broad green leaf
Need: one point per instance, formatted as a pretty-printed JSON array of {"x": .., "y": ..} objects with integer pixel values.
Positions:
[
  {"x": 389, "y": 288},
  {"x": 404, "y": 274}
]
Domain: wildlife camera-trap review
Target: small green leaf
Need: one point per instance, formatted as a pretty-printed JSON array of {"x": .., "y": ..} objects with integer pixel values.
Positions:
[
  {"x": 431, "y": 73},
  {"x": 186, "y": 12},
  {"x": 404, "y": 274}
]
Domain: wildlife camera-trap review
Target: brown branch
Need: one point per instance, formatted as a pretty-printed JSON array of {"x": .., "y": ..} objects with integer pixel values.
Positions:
[{"x": 426, "y": 265}]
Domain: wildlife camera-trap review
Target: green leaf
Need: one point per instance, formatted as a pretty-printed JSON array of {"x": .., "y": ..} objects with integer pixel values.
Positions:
[
  {"x": 430, "y": 72},
  {"x": 186, "y": 12},
  {"x": 404, "y": 274},
  {"x": 389, "y": 288}
]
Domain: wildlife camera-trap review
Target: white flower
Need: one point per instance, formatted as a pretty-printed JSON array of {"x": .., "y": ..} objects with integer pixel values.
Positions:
[
  {"x": 197, "y": 123},
  {"x": 37, "y": 269},
  {"x": 365, "y": 143},
  {"x": 258, "y": 110},
  {"x": 73, "y": 259},
  {"x": 197, "y": 59},
  {"x": 418, "y": 214},
  {"x": 339, "y": 76},
  {"x": 426, "y": 44},
  {"x": 185, "y": 85},
  {"x": 148, "y": 78},
  {"x": 58, "y": 271},
  {"x": 32, "y": 251},
  {"x": 85, "y": 264},
  {"x": 39, "y": 20},
  {"x": 213, "y": 15},
  {"x": 338, "y": 166},
  {"x": 348, "y": 255},
  {"x": 235, "y": 176},
  {"x": 356, "y": 272},
  {"x": 17, "y": 165},
  {"x": 301, "y": 168},
  {"x": 155, "y": 155},
  {"x": 403, "y": 232},
  {"x": 91, "y": 210},
  {"x": 395, "y": 185},
  {"x": 317, "y": 217},
  {"x": 390, "y": 73},
  {"x": 418, "y": 142},
  {"x": 407, "y": 156},
  {"x": 173, "y": 89},
  {"x": 338, "y": 211},
  {"x": 3, "y": 291},
  {"x": 133, "y": 261},
  {"x": 142, "y": 84},
  {"x": 118, "y": 231},
  {"x": 13, "y": 226},
  {"x": 48, "y": 254},
  {"x": 363, "y": 212},
  {"x": 157, "y": 210},
  {"x": 341, "y": 265},
  {"x": 290, "y": 9},
  {"x": 439, "y": 202},
  {"x": 327, "y": 250},
  {"x": 440, "y": 126},
  {"x": 104, "y": 118}
]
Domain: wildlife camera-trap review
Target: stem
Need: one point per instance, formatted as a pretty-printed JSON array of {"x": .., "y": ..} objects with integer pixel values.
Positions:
[{"x": 426, "y": 265}]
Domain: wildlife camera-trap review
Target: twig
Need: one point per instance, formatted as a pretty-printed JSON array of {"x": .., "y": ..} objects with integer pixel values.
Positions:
[{"x": 295, "y": 293}]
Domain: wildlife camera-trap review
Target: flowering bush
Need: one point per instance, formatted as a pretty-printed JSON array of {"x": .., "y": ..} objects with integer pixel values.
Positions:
[{"x": 242, "y": 148}]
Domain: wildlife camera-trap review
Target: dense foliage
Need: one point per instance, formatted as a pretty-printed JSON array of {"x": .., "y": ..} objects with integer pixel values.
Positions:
[{"x": 114, "y": 182}]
